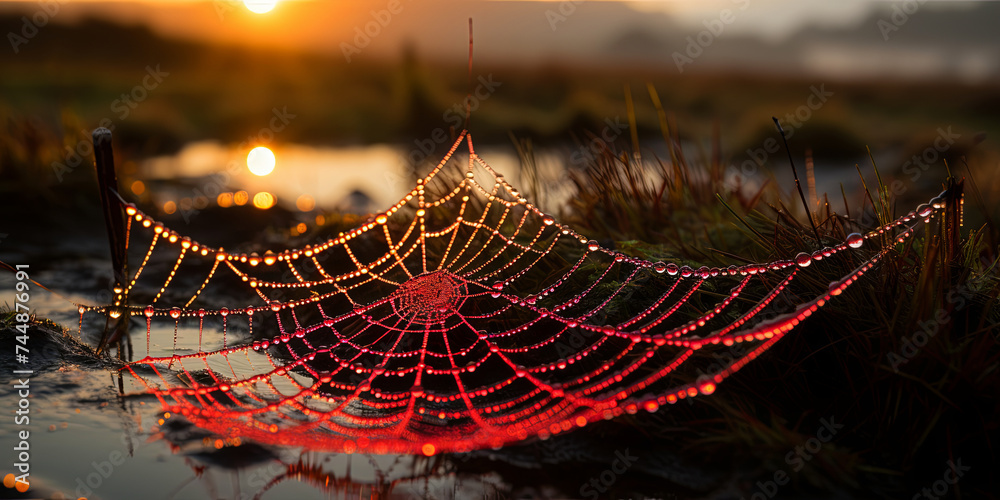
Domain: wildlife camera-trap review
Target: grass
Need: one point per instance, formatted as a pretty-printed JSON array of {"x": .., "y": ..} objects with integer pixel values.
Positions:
[
  {"x": 903, "y": 419},
  {"x": 906, "y": 409}
]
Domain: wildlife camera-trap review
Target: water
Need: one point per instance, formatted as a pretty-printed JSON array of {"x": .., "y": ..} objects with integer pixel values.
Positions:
[
  {"x": 93, "y": 434},
  {"x": 361, "y": 178}
]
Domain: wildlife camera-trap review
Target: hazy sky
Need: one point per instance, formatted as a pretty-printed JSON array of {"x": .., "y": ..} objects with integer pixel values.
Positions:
[
  {"x": 770, "y": 19},
  {"x": 773, "y": 19},
  {"x": 834, "y": 37}
]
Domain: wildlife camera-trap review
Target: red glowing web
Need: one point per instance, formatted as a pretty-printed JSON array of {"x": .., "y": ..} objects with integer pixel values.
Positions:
[{"x": 460, "y": 318}]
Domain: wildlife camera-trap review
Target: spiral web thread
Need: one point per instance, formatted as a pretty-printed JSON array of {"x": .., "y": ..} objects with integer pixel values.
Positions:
[{"x": 460, "y": 318}]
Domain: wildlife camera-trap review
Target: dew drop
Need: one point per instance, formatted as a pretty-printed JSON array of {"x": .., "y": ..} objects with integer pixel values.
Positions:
[
  {"x": 924, "y": 210},
  {"x": 548, "y": 220},
  {"x": 672, "y": 269},
  {"x": 593, "y": 246},
  {"x": 803, "y": 259},
  {"x": 224, "y": 312},
  {"x": 855, "y": 240},
  {"x": 660, "y": 267},
  {"x": 149, "y": 312},
  {"x": 174, "y": 313}
]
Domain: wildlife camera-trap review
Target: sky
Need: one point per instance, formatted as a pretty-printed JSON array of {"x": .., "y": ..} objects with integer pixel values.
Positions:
[
  {"x": 293, "y": 23},
  {"x": 843, "y": 37}
]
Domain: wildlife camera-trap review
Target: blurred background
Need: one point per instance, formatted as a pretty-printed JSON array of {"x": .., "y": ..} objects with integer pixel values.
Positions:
[
  {"x": 274, "y": 123},
  {"x": 351, "y": 96}
]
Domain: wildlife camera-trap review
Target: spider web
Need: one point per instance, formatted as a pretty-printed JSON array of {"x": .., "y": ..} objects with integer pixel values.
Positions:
[{"x": 460, "y": 318}]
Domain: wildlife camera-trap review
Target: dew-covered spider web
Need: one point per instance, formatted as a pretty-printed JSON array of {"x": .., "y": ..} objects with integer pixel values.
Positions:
[{"x": 460, "y": 318}]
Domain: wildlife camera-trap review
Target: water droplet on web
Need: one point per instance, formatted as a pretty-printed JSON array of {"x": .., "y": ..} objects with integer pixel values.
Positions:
[
  {"x": 149, "y": 311},
  {"x": 548, "y": 220},
  {"x": 175, "y": 313},
  {"x": 855, "y": 240},
  {"x": 593, "y": 246},
  {"x": 803, "y": 259},
  {"x": 672, "y": 269},
  {"x": 660, "y": 267}
]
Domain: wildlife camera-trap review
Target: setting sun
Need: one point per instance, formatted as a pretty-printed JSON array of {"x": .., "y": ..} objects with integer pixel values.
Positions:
[
  {"x": 260, "y": 161},
  {"x": 260, "y": 6}
]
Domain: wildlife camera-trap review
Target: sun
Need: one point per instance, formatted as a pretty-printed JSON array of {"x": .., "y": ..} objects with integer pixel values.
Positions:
[
  {"x": 260, "y": 6},
  {"x": 260, "y": 161}
]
